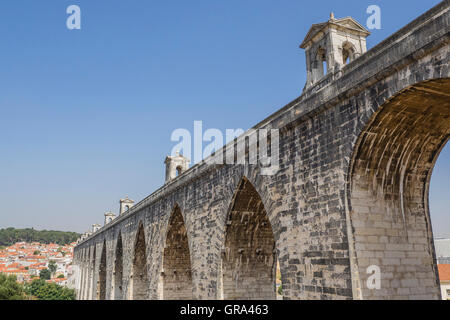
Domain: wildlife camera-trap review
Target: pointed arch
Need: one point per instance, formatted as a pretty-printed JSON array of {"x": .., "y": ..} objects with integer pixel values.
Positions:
[
  {"x": 387, "y": 190},
  {"x": 177, "y": 275},
  {"x": 102, "y": 274},
  {"x": 249, "y": 257},
  {"x": 83, "y": 274},
  {"x": 140, "y": 282},
  {"x": 89, "y": 274},
  {"x": 118, "y": 269},
  {"x": 94, "y": 259},
  {"x": 86, "y": 271}
]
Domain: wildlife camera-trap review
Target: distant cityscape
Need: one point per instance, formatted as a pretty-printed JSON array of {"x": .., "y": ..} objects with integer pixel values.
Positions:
[{"x": 27, "y": 260}]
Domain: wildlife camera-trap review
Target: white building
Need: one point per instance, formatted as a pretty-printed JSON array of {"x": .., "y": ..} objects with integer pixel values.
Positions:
[{"x": 442, "y": 247}]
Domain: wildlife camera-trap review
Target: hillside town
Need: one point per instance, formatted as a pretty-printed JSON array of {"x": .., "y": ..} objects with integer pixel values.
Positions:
[{"x": 27, "y": 260}]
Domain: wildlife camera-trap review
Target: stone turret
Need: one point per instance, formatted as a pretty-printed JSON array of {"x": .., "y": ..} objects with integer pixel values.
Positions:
[
  {"x": 109, "y": 216},
  {"x": 95, "y": 227},
  {"x": 175, "y": 165},
  {"x": 331, "y": 45},
  {"x": 86, "y": 235},
  {"x": 125, "y": 204}
]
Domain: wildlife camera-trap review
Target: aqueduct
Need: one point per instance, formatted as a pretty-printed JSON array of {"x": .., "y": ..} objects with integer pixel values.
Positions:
[{"x": 356, "y": 153}]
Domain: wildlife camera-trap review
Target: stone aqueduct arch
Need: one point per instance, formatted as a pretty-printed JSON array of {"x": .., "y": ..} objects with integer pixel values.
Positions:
[
  {"x": 248, "y": 263},
  {"x": 118, "y": 270},
  {"x": 176, "y": 275},
  {"x": 139, "y": 285},
  {"x": 101, "y": 285},
  {"x": 356, "y": 152},
  {"x": 388, "y": 184}
]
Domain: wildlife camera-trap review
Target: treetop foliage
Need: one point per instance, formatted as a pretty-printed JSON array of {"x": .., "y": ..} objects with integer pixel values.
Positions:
[
  {"x": 49, "y": 291},
  {"x": 10, "y": 289},
  {"x": 9, "y": 236},
  {"x": 45, "y": 274},
  {"x": 39, "y": 289}
]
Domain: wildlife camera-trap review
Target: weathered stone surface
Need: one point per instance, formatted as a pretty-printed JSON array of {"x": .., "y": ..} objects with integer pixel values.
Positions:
[{"x": 356, "y": 153}]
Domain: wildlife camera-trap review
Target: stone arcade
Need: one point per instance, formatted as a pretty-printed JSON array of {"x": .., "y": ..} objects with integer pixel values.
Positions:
[{"x": 357, "y": 149}]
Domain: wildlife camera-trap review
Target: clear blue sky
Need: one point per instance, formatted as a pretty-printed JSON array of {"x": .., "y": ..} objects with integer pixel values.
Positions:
[{"x": 86, "y": 115}]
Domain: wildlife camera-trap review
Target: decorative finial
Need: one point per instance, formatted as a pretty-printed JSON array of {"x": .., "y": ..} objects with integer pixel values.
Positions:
[{"x": 332, "y": 16}]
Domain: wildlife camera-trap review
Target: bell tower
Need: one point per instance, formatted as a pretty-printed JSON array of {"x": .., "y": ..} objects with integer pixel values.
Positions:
[
  {"x": 109, "y": 217},
  {"x": 175, "y": 165},
  {"x": 95, "y": 227},
  {"x": 331, "y": 45},
  {"x": 125, "y": 205}
]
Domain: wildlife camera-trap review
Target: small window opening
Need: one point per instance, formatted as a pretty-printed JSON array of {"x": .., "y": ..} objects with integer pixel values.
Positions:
[
  {"x": 348, "y": 53},
  {"x": 322, "y": 59}
]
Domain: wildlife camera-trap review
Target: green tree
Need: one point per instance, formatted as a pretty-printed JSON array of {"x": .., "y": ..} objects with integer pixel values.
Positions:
[
  {"x": 10, "y": 236},
  {"x": 36, "y": 252},
  {"x": 45, "y": 274},
  {"x": 10, "y": 289},
  {"x": 49, "y": 291},
  {"x": 52, "y": 266}
]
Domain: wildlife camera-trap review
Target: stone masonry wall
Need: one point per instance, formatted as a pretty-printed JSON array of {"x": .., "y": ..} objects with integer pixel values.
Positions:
[{"x": 329, "y": 209}]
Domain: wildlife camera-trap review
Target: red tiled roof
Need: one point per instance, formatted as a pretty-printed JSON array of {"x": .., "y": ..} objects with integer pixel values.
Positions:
[
  {"x": 13, "y": 271},
  {"x": 444, "y": 272}
]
